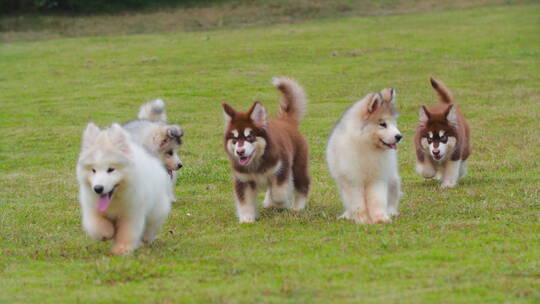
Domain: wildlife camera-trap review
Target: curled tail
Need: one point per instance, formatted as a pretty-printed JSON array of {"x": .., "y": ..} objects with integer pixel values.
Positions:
[
  {"x": 445, "y": 96},
  {"x": 293, "y": 98},
  {"x": 153, "y": 111}
]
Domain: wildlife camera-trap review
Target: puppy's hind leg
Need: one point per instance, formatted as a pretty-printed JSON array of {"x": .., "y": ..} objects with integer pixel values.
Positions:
[
  {"x": 394, "y": 194},
  {"x": 155, "y": 220},
  {"x": 279, "y": 192},
  {"x": 301, "y": 181},
  {"x": 463, "y": 169}
]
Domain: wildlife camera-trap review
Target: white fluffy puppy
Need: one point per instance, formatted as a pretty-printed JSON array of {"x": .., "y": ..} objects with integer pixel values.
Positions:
[
  {"x": 125, "y": 192},
  {"x": 362, "y": 158}
]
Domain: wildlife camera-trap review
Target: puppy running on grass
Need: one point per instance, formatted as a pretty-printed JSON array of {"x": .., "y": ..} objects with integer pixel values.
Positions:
[
  {"x": 442, "y": 139},
  {"x": 362, "y": 157},
  {"x": 269, "y": 153},
  {"x": 124, "y": 191}
]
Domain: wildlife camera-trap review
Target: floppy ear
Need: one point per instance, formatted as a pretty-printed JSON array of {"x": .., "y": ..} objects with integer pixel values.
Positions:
[
  {"x": 120, "y": 138},
  {"x": 257, "y": 113},
  {"x": 374, "y": 102},
  {"x": 89, "y": 135},
  {"x": 174, "y": 131},
  {"x": 228, "y": 113},
  {"x": 389, "y": 94},
  {"x": 451, "y": 115},
  {"x": 424, "y": 114}
]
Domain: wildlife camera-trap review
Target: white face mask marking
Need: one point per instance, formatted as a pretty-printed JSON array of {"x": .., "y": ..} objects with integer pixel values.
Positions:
[{"x": 241, "y": 149}]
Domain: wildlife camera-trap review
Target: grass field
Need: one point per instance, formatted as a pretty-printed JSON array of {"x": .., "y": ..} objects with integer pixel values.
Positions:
[{"x": 477, "y": 243}]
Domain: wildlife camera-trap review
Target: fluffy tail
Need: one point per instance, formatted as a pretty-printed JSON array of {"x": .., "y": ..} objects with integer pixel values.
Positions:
[
  {"x": 293, "y": 98},
  {"x": 153, "y": 111},
  {"x": 445, "y": 96}
]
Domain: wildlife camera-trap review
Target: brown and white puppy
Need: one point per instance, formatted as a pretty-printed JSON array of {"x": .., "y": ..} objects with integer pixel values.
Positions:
[
  {"x": 269, "y": 153},
  {"x": 442, "y": 139}
]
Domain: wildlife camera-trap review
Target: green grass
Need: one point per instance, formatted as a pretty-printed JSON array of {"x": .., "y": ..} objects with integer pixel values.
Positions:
[{"x": 477, "y": 243}]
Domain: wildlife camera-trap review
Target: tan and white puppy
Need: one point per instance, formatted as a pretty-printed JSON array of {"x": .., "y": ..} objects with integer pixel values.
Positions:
[
  {"x": 362, "y": 158},
  {"x": 442, "y": 139},
  {"x": 117, "y": 200},
  {"x": 269, "y": 153}
]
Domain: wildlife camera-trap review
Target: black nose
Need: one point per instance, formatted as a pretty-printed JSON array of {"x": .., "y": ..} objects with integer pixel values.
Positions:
[
  {"x": 179, "y": 166},
  {"x": 436, "y": 152},
  {"x": 98, "y": 189},
  {"x": 398, "y": 137}
]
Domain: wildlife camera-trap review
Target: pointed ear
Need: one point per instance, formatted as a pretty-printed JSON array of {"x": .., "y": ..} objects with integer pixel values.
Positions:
[
  {"x": 257, "y": 113},
  {"x": 424, "y": 114},
  {"x": 89, "y": 135},
  {"x": 120, "y": 138},
  {"x": 389, "y": 94},
  {"x": 374, "y": 102},
  {"x": 228, "y": 113},
  {"x": 451, "y": 115}
]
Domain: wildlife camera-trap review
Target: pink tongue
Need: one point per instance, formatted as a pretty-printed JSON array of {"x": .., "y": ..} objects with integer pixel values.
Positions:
[
  {"x": 393, "y": 146},
  {"x": 103, "y": 203},
  {"x": 244, "y": 160}
]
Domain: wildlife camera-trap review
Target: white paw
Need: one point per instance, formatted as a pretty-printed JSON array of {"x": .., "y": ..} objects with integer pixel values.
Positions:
[
  {"x": 393, "y": 212},
  {"x": 122, "y": 249},
  {"x": 345, "y": 216},
  {"x": 299, "y": 203},
  {"x": 267, "y": 203},
  {"x": 447, "y": 184},
  {"x": 149, "y": 238},
  {"x": 360, "y": 217},
  {"x": 380, "y": 218},
  {"x": 246, "y": 218}
]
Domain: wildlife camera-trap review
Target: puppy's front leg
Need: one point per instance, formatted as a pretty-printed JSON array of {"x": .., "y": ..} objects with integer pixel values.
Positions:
[
  {"x": 425, "y": 168},
  {"x": 451, "y": 173},
  {"x": 394, "y": 193},
  {"x": 354, "y": 203},
  {"x": 377, "y": 201},
  {"x": 246, "y": 195},
  {"x": 128, "y": 235},
  {"x": 97, "y": 226}
]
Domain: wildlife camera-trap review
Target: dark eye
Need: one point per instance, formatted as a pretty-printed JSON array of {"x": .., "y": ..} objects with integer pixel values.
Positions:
[
  {"x": 251, "y": 138},
  {"x": 444, "y": 139},
  {"x": 110, "y": 170},
  {"x": 429, "y": 140},
  {"x": 170, "y": 152},
  {"x": 93, "y": 170},
  {"x": 382, "y": 124},
  {"x": 234, "y": 140}
]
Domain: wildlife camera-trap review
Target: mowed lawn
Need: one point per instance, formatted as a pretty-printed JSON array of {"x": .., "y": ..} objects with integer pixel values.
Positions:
[{"x": 477, "y": 243}]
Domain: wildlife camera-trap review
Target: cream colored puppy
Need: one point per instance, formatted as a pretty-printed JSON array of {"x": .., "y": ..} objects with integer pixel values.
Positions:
[{"x": 362, "y": 158}]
